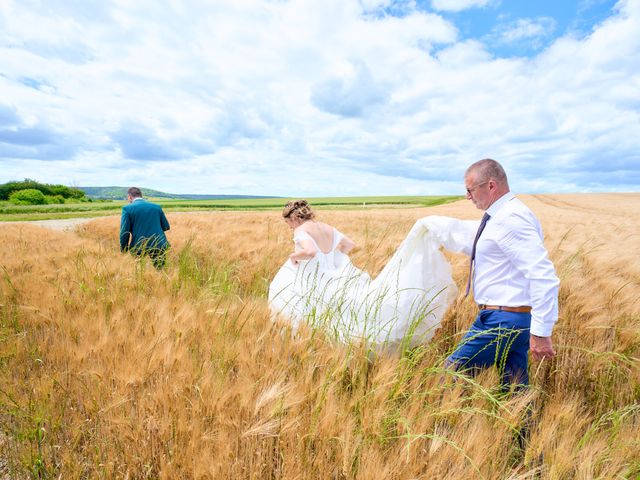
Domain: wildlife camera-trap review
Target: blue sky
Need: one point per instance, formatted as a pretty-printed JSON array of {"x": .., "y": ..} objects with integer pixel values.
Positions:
[
  {"x": 526, "y": 27},
  {"x": 309, "y": 98}
]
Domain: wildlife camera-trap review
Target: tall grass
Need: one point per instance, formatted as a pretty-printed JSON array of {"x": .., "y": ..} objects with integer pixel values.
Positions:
[{"x": 110, "y": 369}]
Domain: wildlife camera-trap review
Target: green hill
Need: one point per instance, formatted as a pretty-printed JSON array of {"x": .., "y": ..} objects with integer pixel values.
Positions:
[{"x": 120, "y": 193}]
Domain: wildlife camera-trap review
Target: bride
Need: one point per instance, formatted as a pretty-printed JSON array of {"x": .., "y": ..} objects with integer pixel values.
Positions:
[{"x": 405, "y": 303}]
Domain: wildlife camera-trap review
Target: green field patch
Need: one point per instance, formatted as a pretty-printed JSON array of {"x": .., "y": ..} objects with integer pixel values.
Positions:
[{"x": 10, "y": 212}]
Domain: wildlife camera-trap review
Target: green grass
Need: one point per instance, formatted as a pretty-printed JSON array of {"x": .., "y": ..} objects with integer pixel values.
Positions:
[{"x": 10, "y": 212}]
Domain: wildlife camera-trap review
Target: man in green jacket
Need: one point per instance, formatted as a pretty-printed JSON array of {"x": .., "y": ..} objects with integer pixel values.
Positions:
[{"x": 142, "y": 228}]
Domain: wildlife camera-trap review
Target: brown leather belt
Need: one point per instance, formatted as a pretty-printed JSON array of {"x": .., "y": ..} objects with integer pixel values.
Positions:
[{"x": 523, "y": 309}]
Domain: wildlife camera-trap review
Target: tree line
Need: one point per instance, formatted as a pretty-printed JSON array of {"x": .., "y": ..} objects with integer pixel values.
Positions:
[{"x": 31, "y": 192}]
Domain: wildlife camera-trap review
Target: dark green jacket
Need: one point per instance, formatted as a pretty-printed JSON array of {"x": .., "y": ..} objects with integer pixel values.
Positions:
[{"x": 142, "y": 227}]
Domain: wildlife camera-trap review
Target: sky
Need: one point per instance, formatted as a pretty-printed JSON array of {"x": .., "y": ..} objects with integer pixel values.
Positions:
[{"x": 320, "y": 97}]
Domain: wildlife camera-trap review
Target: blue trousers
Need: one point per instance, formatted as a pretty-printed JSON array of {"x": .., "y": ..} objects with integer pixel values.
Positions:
[{"x": 496, "y": 338}]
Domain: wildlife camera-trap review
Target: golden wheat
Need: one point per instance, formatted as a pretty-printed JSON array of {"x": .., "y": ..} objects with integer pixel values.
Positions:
[{"x": 111, "y": 369}]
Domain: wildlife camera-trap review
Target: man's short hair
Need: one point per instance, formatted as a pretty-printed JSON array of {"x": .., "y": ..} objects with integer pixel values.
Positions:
[
  {"x": 488, "y": 169},
  {"x": 134, "y": 192}
]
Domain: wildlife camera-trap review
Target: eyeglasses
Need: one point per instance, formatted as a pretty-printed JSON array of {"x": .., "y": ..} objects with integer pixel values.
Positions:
[{"x": 472, "y": 189}]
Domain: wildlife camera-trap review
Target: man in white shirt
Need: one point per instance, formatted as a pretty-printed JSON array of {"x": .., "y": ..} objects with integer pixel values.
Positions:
[{"x": 514, "y": 282}]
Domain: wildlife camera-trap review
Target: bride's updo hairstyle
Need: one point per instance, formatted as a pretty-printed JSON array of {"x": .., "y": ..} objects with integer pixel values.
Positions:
[{"x": 299, "y": 209}]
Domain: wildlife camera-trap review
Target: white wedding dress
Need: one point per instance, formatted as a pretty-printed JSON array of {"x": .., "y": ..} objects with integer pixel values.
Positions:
[{"x": 404, "y": 303}]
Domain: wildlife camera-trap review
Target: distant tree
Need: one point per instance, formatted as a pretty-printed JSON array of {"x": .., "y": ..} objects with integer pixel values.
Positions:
[
  {"x": 75, "y": 193},
  {"x": 54, "y": 199},
  {"x": 60, "y": 190},
  {"x": 28, "y": 196},
  {"x": 49, "y": 190},
  {"x": 8, "y": 188}
]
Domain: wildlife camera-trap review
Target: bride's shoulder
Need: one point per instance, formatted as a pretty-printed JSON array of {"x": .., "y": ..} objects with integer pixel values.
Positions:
[
  {"x": 300, "y": 228},
  {"x": 311, "y": 228},
  {"x": 300, "y": 233}
]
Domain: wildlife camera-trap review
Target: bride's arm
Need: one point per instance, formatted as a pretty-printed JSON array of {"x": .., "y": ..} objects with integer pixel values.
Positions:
[
  {"x": 345, "y": 245},
  {"x": 305, "y": 252}
]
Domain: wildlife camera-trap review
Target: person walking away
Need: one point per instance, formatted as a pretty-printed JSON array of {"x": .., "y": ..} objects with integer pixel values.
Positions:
[{"x": 142, "y": 228}]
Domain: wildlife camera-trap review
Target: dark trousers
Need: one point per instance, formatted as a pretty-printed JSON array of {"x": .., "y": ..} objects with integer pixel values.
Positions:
[
  {"x": 158, "y": 256},
  {"x": 496, "y": 338}
]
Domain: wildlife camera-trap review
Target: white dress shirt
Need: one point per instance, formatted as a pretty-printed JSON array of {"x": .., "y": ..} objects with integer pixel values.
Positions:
[{"x": 512, "y": 267}]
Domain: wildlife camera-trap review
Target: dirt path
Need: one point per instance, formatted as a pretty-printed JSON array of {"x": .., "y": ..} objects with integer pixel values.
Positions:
[
  {"x": 70, "y": 224},
  {"x": 64, "y": 224}
]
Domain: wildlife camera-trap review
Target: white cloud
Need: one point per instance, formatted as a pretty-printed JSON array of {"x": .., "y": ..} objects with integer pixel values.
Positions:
[
  {"x": 350, "y": 93},
  {"x": 459, "y": 5},
  {"x": 373, "y": 5},
  {"x": 526, "y": 29},
  {"x": 308, "y": 98}
]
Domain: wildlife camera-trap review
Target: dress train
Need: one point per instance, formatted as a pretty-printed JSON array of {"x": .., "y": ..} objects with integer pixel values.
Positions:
[{"x": 404, "y": 303}]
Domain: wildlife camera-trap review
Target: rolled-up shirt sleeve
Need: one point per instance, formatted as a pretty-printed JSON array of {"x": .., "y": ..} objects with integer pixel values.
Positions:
[{"x": 525, "y": 249}]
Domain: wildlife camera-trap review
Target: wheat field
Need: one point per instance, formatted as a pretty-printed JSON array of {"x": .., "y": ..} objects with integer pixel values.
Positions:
[{"x": 110, "y": 369}]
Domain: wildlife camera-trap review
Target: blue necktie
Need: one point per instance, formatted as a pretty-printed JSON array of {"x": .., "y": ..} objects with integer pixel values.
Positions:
[{"x": 483, "y": 223}]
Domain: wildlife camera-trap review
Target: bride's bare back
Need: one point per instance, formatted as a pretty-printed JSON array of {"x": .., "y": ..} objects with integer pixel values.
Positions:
[{"x": 321, "y": 233}]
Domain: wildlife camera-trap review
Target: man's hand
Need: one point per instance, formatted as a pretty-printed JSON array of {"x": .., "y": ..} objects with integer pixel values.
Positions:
[{"x": 541, "y": 347}]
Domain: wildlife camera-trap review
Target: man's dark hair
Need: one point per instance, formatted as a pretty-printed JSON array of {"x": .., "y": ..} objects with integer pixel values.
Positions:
[{"x": 135, "y": 192}]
